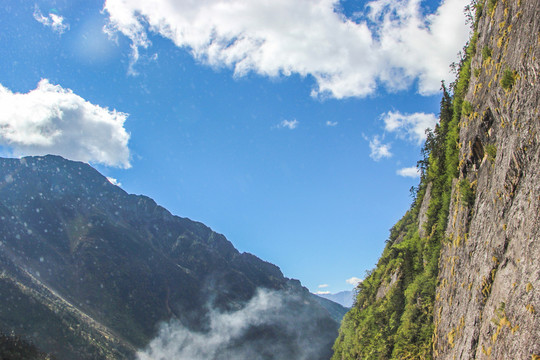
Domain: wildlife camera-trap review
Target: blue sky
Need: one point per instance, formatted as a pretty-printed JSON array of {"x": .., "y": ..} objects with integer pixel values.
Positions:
[{"x": 283, "y": 125}]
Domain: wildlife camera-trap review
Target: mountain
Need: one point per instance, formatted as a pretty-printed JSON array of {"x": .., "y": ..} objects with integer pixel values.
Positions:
[
  {"x": 459, "y": 277},
  {"x": 13, "y": 347},
  {"x": 88, "y": 271},
  {"x": 336, "y": 310},
  {"x": 344, "y": 298}
]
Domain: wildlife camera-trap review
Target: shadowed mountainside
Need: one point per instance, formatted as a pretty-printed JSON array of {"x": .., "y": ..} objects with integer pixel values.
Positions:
[{"x": 89, "y": 271}]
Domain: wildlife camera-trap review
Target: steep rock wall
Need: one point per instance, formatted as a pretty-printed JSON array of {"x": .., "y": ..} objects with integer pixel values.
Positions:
[
  {"x": 459, "y": 276},
  {"x": 488, "y": 296}
]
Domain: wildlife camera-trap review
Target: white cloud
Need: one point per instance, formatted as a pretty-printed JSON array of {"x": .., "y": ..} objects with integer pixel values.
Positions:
[
  {"x": 322, "y": 292},
  {"x": 177, "y": 342},
  {"x": 353, "y": 281},
  {"x": 231, "y": 334},
  {"x": 410, "y": 126},
  {"x": 331, "y": 123},
  {"x": 323, "y": 286},
  {"x": 394, "y": 45},
  {"x": 412, "y": 172},
  {"x": 378, "y": 149},
  {"x": 289, "y": 124},
  {"x": 54, "y": 120},
  {"x": 54, "y": 21},
  {"x": 114, "y": 181}
]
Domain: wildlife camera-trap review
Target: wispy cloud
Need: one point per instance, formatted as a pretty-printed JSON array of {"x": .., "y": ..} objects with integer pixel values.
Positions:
[
  {"x": 289, "y": 124},
  {"x": 322, "y": 286},
  {"x": 322, "y": 292},
  {"x": 353, "y": 281},
  {"x": 378, "y": 149},
  {"x": 411, "y": 172},
  {"x": 233, "y": 335},
  {"x": 54, "y": 21},
  {"x": 409, "y": 126},
  {"x": 331, "y": 123},
  {"x": 388, "y": 43},
  {"x": 54, "y": 120}
]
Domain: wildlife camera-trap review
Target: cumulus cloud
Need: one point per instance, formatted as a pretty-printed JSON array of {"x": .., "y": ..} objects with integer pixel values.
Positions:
[
  {"x": 409, "y": 126},
  {"x": 393, "y": 43},
  {"x": 378, "y": 149},
  {"x": 289, "y": 124},
  {"x": 54, "y": 120},
  {"x": 233, "y": 335},
  {"x": 331, "y": 123},
  {"x": 353, "y": 281},
  {"x": 54, "y": 21},
  {"x": 411, "y": 172}
]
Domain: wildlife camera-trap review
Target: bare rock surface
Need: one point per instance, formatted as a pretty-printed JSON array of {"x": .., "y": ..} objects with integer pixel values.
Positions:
[{"x": 488, "y": 296}]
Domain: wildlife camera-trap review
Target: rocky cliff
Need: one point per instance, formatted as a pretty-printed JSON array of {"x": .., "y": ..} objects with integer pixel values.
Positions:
[
  {"x": 459, "y": 277},
  {"x": 489, "y": 275},
  {"x": 88, "y": 271}
]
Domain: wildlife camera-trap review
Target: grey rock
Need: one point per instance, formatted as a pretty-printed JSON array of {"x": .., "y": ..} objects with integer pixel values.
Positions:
[{"x": 488, "y": 296}]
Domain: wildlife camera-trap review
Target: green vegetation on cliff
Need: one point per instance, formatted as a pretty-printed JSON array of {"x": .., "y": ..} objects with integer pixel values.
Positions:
[{"x": 393, "y": 314}]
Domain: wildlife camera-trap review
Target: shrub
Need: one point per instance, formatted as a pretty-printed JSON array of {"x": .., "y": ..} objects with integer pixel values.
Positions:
[
  {"x": 508, "y": 79},
  {"x": 486, "y": 52},
  {"x": 467, "y": 108},
  {"x": 479, "y": 6},
  {"x": 467, "y": 192},
  {"x": 491, "y": 6},
  {"x": 491, "y": 151}
]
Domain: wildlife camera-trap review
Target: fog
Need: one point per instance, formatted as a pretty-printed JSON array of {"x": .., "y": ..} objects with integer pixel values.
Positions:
[{"x": 271, "y": 325}]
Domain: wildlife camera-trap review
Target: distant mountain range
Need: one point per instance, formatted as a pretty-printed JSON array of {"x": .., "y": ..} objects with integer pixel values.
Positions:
[
  {"x": 88, "y": 271},
  {"x": 344, "y": 298}
]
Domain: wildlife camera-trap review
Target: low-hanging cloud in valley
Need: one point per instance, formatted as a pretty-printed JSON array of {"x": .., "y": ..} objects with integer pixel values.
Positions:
[
  {"x": 230, "y": 335},
  {"x": 54, "y": 120},
  {"x": 392, "y": 43}
]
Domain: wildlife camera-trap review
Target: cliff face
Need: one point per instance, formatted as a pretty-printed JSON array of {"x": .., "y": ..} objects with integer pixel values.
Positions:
[
  {"x": 489, "y": 276},
  {"x": 459, "y": 277}
]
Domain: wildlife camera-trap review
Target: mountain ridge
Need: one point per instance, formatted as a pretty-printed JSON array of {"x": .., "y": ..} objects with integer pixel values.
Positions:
[
  {"x": 124, "y": 262},
  {"x": 344, "y": 298}
]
